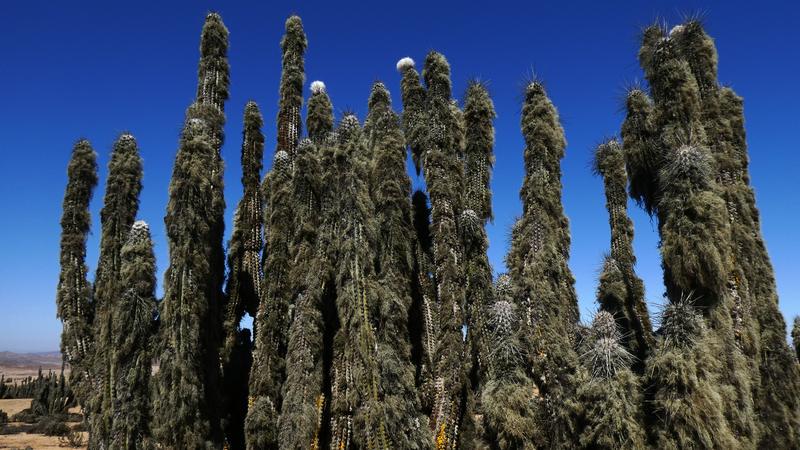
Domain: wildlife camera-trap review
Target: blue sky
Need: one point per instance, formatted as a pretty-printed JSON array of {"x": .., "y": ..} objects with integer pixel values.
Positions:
[{"x": 95, "y": 69}]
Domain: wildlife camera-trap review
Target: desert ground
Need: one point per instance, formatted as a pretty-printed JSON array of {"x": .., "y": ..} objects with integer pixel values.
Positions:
[
  {"x": 23, "y": 440},
  {"x": 17, "y": 366}
]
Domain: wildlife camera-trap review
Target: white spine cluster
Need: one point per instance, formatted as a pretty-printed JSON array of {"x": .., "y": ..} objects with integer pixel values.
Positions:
[
  {"x": 405, "y": 63},
  {"x": 317, "y": 87}
]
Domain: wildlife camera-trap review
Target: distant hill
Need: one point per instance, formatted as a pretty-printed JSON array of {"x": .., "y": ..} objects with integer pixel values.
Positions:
[{"x": 45, "y": 360}]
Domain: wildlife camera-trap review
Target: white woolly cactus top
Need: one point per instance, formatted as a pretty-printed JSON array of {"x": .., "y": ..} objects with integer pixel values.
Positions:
[
  {"x": 140, "y": 225},
  {"x": 317, "y": 87},
  {"x": 676, "y": 29},
  {"x": 126, "y": 137},
  {"x": 405, "y": 63}
]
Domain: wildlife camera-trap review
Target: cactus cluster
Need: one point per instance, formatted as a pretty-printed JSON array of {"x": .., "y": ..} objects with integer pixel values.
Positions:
[{"x": 378, "y": 321}]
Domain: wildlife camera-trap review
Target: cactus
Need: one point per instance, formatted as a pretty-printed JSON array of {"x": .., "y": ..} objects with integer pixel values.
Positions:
[
  {"x": 186, "y": 368},
  {"x": 432, "y": 131},
  {"x": 759, "y": 326},
  {"x": 120, "y": 205},
  {"x": 696, "y": 239},
  {"x": 537, "y": 263},
  {"x": 303, "y": 391},
  {"x": 621, "y": 292},
  {"x": 611, "y": 399},
  {"x": 358, "y": 414},
  {"x": 391, "y": 191},
  {"x": 132, "y": 329},
  {"x": 319, "y": 120},
  {"x": 293, "y": 47},
  {"x": 479, "y": 158},
  {"x": 187, "y": 399},
  {"x": 423, "y": 321},
  {"x": 245, "y": 277},
  {"x": 73, "y": 296},
  {"x": 509, "y": 397},
  {"x": 687, "y": 404},
  {"x": 273, "y": 317}
]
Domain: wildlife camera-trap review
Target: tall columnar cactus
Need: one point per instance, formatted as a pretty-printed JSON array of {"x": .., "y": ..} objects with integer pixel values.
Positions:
[
  {"x": 423, "y": 320},
  {"x": 132, "y": 331},
  {"x": 245, "y": 276},
  {"x": 432, "y": 133},
  {"x": 537, "y": 263},
  {"x": 213, "y": 69},
  {"x": 186, "y": 414},
  {"x": 212, "y": 92},
  {"x": 272, "y": 320},
  {"x": 358, "y": 412},
  {"x": 687, "y": 406},
  {"x": 621, "y": 292},
  {"x": 478, "y": 160},
  {"x": 611, "y": 399},
  {"x": 73, "y": 297},
  {"x": 696, "y": 240},
  {"x": 759, "y": 326},
  {"x": 300, "y": 422},
  {"x": 319, "y": 120},
  {"x": 508, "y": 399},
  {"x": 273, "y": 317},
  {"x": 293, "y": 46},
  {"x": 120, "y": 205},
  {"x": 391, "y": 191},
  {"x": 187, "y": 400},
  {"x": 306, "y": 391}
]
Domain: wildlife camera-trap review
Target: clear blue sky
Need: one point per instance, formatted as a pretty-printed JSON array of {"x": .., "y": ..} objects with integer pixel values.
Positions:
[{"x": 95, "y": 69}]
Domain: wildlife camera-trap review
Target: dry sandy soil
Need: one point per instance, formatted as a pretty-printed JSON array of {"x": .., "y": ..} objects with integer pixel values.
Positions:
[{"x": 22, "y": 440}]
